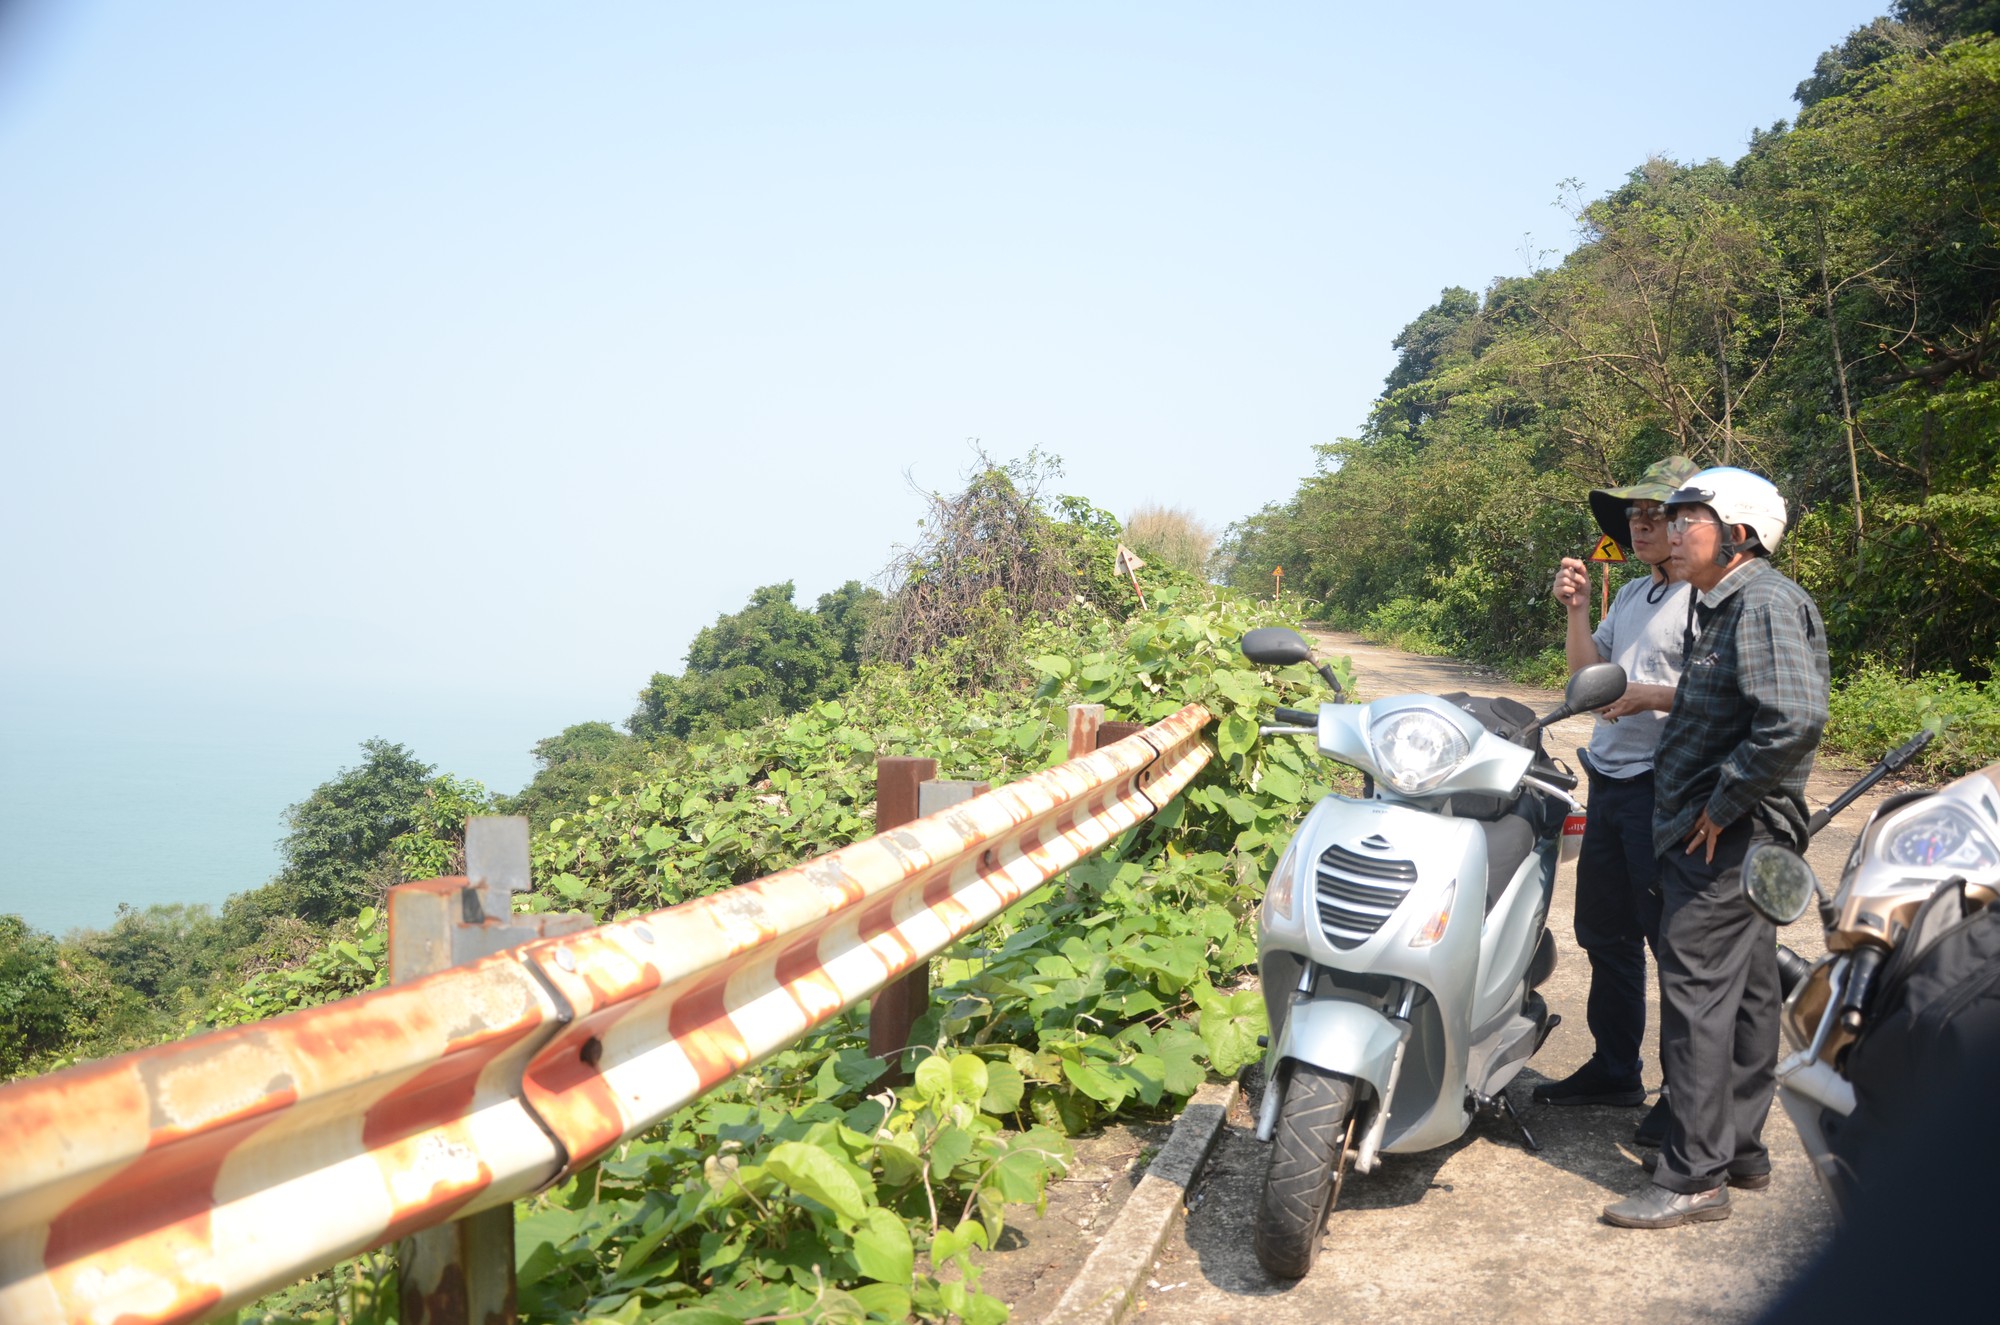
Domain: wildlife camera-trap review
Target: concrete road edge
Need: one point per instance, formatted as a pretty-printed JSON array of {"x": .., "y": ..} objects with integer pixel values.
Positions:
[{"x": 1107, "y": 1287}]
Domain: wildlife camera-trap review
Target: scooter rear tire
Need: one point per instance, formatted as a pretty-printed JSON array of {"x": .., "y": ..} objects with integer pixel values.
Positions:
[{"x": 1307, "y": 1151}]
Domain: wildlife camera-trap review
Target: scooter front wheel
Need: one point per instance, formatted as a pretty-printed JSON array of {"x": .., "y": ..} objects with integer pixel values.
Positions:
[{"x": 1308, "y": 1151}]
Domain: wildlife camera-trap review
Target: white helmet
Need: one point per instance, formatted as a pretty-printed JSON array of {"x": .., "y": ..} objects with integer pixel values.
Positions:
[{"x": 1737, "y": 497}]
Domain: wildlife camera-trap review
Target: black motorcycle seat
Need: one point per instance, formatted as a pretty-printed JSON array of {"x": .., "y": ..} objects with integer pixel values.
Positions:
[{"x": 1508, "y": 842}]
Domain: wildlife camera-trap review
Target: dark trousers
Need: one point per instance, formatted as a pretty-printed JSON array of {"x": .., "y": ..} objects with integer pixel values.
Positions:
[
  {"x": 1719, "y": 1016},
  {"x": 1617, "y": 915}
]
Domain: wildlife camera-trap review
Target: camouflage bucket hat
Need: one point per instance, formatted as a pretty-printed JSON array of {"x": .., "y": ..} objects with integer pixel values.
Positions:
[{"x": 1661, "y": 480}]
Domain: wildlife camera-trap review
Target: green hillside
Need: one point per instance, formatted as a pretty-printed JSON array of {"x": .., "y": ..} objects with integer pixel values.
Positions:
[{"x": 1825, "y": 310}]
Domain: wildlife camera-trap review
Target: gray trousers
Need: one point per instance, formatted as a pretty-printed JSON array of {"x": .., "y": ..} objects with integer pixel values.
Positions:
[{"x": 1719, "y": 1009}]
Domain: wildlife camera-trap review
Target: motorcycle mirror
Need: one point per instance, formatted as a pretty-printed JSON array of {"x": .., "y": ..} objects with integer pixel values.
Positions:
[
  {"x": 1274, "y": 646},
  {"x": 1777, "y": 882},
  {"x": 1590, "y": 688},
  {"x": 1594, "y": 687}
]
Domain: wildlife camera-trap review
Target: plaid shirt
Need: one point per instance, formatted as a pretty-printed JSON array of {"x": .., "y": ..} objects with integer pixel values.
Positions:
[{"x": 1747, "y": 713}]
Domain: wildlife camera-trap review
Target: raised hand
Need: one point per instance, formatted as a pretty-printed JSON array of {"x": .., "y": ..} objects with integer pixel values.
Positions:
[{"x": 1573, "y": 584}]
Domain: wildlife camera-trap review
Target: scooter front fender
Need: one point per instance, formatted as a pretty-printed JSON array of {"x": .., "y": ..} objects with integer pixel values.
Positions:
[{"x": 1335, "y": 1035}]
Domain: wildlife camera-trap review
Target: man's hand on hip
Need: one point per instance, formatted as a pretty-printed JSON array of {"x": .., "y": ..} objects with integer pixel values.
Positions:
[{"x": 1706, "y": 833}]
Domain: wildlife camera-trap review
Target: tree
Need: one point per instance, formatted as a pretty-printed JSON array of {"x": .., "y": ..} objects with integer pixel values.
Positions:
[
  {"x": 1842, "y": 68},
  {"x": 584, "y": 760},
  {"x": 162, "y": 951},
  {"x": 337, "y": 854},
  {"x": 767, "y": 660},
  {"x": 1670, "y": 305},
  {"x": 1423, "y": 345},
  {"x": 36, "y": 1002}
]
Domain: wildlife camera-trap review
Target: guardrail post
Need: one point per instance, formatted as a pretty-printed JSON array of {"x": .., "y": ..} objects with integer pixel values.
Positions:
[
  {"x": 1083, "y": 723},
  {"x": 462, "y": 1273},
  {"x": 894, "y": 1010},
  {"x": 896, "y": 1006},
  {"x": 1110, "y": 733},
  {"x": 1089, "y": 731}
]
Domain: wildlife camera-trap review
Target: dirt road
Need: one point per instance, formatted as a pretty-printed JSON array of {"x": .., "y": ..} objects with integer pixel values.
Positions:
[{"x": 1483, "y": 1229}]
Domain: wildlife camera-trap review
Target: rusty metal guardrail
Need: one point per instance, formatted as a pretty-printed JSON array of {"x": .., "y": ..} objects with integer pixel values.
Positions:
[{"x": 180, "y": 1181}]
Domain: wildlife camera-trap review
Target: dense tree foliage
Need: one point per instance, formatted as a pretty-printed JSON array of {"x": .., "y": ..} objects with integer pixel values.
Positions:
[
  {"x": 36, "y": 1000},
  {"x": 583, "y": 760},
  {"x": 767, "y": 660},
  {"x": 1826, "y": 310},
  {"x": 340, "y": 853}
]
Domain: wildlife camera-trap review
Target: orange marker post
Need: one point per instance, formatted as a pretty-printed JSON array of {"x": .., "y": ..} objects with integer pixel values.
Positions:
[
  {"x": 1607, "y": 551},
  {"x": 1277, "y": 582}
]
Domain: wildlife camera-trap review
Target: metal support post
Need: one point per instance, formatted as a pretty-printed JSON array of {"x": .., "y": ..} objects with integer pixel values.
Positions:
[
  {"x": 1083, "y": 723},
  {"x": 1110, "y": 733},
  {"x": 896, "y": 1006},
  {"x": 462, "y": 1273}
]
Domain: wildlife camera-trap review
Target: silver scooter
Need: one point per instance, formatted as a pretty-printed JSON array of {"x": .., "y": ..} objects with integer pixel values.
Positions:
[{"x": 1402, "y": 936}]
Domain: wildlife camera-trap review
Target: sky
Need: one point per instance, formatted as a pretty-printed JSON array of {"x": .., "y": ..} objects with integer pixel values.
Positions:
[{"x": 498, "y": 348}]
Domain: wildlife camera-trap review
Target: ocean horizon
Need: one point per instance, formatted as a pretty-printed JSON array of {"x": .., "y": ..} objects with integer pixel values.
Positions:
[{"x": 147, "y": 791}]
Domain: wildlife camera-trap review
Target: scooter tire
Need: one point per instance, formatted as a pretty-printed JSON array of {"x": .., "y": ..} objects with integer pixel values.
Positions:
[{"x": 1307, "y": 1151}]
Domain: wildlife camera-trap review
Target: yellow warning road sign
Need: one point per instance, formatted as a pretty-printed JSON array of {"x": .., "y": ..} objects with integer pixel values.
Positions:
[{"x": 1607, "y": 550}]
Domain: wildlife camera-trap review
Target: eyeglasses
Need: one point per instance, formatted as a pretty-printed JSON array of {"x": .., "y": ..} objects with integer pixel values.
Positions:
[
  {"x": 1680, "y": 524},
  {"x": 1646, "y": 515}
]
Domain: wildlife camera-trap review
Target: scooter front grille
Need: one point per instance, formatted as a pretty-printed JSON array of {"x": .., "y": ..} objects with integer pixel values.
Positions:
[{"x": 1356, "y": 893}]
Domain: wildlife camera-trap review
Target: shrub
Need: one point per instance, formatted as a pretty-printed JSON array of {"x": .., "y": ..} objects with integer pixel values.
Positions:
[
  {"x": 1406, "y": 623},
  {"x": 1876, "y": 708}
]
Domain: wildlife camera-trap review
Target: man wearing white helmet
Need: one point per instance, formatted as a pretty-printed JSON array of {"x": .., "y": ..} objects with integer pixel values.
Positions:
[{"x": 1731, "y": 768}]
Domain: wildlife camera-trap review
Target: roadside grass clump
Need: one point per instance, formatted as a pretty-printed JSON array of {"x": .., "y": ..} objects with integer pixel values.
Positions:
[{"x": 1876, "y": 708}]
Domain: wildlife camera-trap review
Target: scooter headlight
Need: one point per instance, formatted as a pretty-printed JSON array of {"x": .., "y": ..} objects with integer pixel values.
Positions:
[
  {"x": 1280, "y": 892},
  {"x": 1415, "y": 748}
]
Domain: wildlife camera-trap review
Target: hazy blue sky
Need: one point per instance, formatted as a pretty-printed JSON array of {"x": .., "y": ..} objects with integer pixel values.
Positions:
[{"x": 506, "y": 344}]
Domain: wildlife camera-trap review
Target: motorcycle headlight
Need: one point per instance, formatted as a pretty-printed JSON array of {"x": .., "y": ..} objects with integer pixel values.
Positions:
[
  {"x": 1942, "y": 837},
  {"x": 1283, "y": 887},
  {"x": 1416, "y": 748}
]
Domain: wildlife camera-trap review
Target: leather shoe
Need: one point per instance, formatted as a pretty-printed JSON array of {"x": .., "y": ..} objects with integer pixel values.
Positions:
[
  {"x": 1660, "y": 1207},
  {"x": 1652, "y": 1130},
  {"x": 1591, "y": 1084},
  {"x": 1749, "y": 1182}
]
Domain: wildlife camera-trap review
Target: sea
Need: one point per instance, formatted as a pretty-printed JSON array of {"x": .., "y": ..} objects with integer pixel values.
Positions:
[{"x": 140, "y": 791}]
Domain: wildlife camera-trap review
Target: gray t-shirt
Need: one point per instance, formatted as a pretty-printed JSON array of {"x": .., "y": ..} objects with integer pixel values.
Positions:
[{"x": 1645, "y": 639}]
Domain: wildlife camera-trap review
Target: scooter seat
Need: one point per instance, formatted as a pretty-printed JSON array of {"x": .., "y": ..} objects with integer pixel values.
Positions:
[{"x": 1508, "y": 842}]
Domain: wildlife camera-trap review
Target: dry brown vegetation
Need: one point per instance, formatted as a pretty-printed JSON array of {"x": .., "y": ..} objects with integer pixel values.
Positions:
[{"x": 1172, "y": 536}]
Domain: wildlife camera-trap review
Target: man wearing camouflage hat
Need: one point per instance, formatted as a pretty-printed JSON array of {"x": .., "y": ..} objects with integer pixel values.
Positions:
[{"x": 1617, "y": 899}]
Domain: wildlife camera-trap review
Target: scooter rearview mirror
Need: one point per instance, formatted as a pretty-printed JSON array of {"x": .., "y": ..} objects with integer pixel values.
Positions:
[
  {"x": 1590, "y": 688},
  {"x": 1274, "y": 646},
  {"x": 1777, "y": 882},
  {"x": 1593, "y": 687}
]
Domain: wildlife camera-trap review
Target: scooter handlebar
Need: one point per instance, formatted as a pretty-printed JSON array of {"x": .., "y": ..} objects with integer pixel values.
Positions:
[{"x": 1554, "y": 777}]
